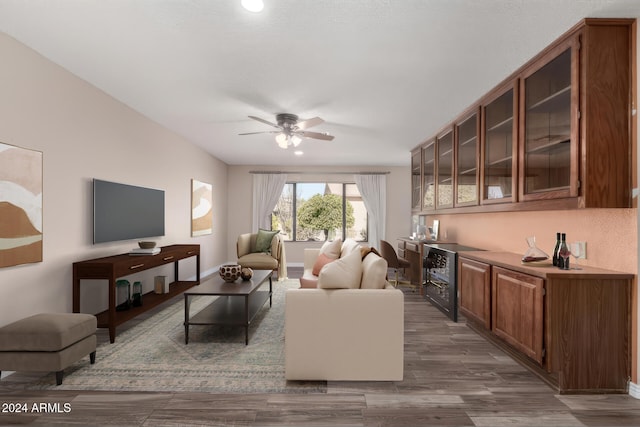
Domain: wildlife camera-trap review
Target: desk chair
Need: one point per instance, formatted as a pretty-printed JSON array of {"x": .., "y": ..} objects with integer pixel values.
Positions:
[{"x": 395, "y": 262}]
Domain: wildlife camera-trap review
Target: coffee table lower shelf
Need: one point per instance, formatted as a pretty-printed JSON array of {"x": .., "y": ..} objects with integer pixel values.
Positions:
[{"x": 229, "y": 310}]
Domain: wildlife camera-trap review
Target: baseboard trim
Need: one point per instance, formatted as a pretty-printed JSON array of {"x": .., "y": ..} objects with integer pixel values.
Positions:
[{"x": 634, "y": 390}]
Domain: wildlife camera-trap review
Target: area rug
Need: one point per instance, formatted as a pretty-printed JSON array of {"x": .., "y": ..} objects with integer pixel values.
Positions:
[{"x": 152, "y": 356}]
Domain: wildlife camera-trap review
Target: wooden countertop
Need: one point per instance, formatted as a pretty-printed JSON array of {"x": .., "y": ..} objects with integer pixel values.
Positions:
[{"x": 546, "y": 270}]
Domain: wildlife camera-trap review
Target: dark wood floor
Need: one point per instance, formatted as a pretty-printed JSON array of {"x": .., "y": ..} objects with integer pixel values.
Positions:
[{"x": 453, "y": 377}]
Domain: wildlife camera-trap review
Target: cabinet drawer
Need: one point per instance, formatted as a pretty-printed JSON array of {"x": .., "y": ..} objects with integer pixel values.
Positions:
[
  {"x": 400, "y": 253},
  {"x": 401, "y": 244},
  {"x": 411, "y": 246}
]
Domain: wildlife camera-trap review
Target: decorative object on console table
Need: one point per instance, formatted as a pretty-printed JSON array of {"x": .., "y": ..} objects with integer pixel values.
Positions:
[
  {"x": 201, "y": 208},
  {"x": 20, "y": 205},
  {"x": 136, "y": 296},
  {"x": 123, "y": 295},
  {"x": 113, "y": 267},
  {"x": 145, "y": 251},
  {"x": 161, "y": 286}
]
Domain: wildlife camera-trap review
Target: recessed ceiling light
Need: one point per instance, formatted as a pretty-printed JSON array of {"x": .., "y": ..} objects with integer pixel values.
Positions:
[
  {"x": 253, "y": 5},
  {"x": 298, "y": 153}
]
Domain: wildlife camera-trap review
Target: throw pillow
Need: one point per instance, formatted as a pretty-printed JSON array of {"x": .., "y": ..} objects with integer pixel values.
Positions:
[
  {"x": 332, "y": 248},
  {"x": 321, "y": 261},
  {"x": 366, "y": 250},
  {"x": 348, "y": 246},
  {"x": 343, "y": 273},
  {"x": 263, "y": 241},
  {"x": 374, "y": 272}
]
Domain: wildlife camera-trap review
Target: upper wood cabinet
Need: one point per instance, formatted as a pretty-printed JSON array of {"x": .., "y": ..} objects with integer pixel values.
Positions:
[
  {"x": 429, "y": 175},
  {"x": 556, "y": 134},
  {"x": 444, "y": 167},
  {"x": 549, "y": 125},
  {"x": 416, "y": 178},
  {"x": 499, "y": 149},
  {"x": 466, "y": 170}
]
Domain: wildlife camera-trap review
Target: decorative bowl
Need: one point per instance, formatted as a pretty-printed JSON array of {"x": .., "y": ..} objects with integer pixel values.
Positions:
[
  {"x": 246, "y": 273},
  {"x": 147, "y": 245},
  {"x": 230, "y": 272}
]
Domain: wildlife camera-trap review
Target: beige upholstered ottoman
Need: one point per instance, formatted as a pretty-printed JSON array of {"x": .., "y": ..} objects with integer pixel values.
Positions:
[{"x": 47, "y": 342}]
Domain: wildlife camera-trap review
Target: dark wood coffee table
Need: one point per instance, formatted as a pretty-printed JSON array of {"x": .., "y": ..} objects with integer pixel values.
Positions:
[{"x": 237, "y": 302}]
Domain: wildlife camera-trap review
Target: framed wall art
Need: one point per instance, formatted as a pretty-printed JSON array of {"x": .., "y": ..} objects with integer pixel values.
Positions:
[
  {"x": 20, "y": 205},
  {"x": 201, "y": 208}
]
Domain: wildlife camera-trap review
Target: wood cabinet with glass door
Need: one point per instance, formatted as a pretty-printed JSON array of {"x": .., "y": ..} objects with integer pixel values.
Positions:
[
  {"x": 429, "y": 175},
  {"x": 499, "y": 148},
  {"x": 466, "y": 155},
  {"x": 575, "y": 115},
  {"x": 416, "y": 177},
  {"x": 444, "y": 180},
  {"x": 549, "y": 131},
  {"x": 556, "y": 134}
]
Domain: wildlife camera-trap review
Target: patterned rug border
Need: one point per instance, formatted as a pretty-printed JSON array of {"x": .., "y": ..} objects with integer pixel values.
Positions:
[{"x": 152, "y": 356}]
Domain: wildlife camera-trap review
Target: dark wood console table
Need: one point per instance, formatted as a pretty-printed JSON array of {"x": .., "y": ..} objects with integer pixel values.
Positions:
[{"x": 112, "y": 267}]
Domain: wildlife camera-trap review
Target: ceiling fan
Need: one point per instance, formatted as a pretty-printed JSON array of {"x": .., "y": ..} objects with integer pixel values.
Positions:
[{"x": 291, "y": 131}]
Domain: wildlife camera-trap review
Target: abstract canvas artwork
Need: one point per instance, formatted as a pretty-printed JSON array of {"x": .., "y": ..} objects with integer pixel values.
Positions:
[
  {"x": 201, "y": 208},
  {"x": 20, "y": 205}
]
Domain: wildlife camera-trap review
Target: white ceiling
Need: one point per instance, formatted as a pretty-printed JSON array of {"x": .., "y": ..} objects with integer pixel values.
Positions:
[{"x": 384, "y": 74}]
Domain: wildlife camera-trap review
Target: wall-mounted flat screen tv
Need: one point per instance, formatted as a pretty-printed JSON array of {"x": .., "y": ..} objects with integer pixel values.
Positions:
[{"x": 124, "y": 212}]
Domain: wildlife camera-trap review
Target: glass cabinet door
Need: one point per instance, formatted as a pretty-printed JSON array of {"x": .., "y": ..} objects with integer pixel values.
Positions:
[
  {"x": 429, "y": 176},
  {"x": 548, "y": 149},
  {"x": 467, "y": 162},
  {"x": 499, "y": 149},
  {"x": 416, "y": 192},
  {"x": 445, "y": 171}
]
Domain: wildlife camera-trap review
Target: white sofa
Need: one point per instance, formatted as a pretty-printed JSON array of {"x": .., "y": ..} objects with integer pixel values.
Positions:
[{"x": 344, "y": 334}]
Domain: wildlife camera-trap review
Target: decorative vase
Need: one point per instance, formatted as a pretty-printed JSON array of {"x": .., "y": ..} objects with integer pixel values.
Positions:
[
  {"x": 230, "y": 272},
  {"x": 246, "y": 273}
]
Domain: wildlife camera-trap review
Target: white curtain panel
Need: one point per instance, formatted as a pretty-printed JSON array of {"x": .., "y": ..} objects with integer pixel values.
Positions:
[
  {"x": 373, "y": 189},
  {"x": 267, "y": 188}
]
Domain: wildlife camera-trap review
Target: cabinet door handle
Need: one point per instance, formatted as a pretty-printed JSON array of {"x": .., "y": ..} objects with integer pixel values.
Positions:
[
  {"x": 191, "y": 252},
  {"x": 133, "y": 267},
  {"x": 167, "y": 258}
]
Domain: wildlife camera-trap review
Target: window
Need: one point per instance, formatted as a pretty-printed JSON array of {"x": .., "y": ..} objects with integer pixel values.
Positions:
[{"x": 319, "y": 211}]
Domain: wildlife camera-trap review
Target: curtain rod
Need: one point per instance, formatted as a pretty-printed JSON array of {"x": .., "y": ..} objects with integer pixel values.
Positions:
[{"x": 318, "y": 173}]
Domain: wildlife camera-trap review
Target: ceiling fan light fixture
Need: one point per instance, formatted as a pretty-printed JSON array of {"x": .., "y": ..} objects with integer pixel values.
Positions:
[
  {"x": 295, "y": 140},
  {"x": 282, "y": 140},
  {"x": 253, "y": 5}
]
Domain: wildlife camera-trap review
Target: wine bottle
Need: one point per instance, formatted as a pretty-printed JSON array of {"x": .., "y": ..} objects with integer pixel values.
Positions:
[
  {"x": 556, "y": 249},
  {"x": 563, "y": 253}
]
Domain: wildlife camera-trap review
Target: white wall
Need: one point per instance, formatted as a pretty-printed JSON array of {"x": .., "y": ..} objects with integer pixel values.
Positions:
[
  {"x": 85, "y": 134},
  {"x": 240, "y": 196}
]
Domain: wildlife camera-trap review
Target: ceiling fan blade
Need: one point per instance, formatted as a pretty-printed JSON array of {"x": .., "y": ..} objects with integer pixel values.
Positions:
[
  {"x": 306, "y": 124},
  {"x": 316, "y": 135},
  {"x": 255, "y": 133},
  {"x": 265, "y": 122}
]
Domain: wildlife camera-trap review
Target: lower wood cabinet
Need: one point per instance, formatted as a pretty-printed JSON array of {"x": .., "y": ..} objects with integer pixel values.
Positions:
[
  {"x": 570, "y": 327},
  {"x": 517, "y": 301},
  {"x": 475, "y": 291}
]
